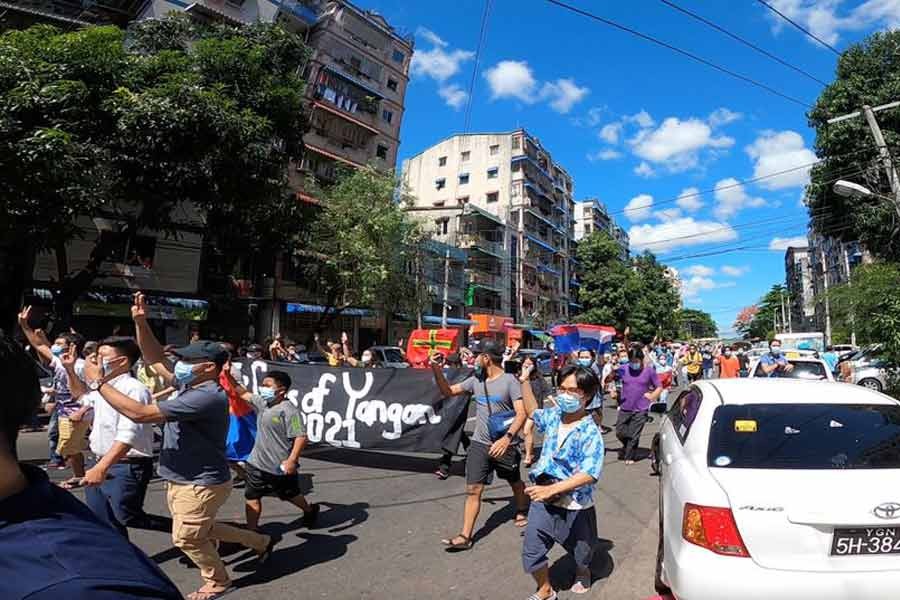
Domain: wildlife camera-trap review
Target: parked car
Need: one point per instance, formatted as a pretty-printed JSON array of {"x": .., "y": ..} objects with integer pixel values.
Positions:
[
  {"x": 872, "y": 375},
  {"x": 543, "y": 358},
  {"x": 778, "y": 489},
  {"x": 389, "y": 356},
  {"x": 804, "y": 368}
]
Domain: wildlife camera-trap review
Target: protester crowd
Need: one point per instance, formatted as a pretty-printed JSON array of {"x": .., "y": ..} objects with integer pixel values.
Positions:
[{"x": 113, "y": 397}]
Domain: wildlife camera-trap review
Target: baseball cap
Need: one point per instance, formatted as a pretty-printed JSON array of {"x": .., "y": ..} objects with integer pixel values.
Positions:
[
  {"x": 203, "y": 350},
  {"x": 491, "y": 348}
]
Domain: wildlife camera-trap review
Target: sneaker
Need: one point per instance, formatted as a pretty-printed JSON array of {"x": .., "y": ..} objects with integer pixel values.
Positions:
[
  {"x": 311, "y": 516},
  {"x": 54, "y": 465}
]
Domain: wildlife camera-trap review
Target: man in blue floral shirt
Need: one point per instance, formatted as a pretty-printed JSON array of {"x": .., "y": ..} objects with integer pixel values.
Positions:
[{"x": 562, "y": 490}]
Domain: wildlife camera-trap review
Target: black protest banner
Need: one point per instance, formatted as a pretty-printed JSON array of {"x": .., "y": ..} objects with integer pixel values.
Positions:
[{"x": 387, "y": 409}]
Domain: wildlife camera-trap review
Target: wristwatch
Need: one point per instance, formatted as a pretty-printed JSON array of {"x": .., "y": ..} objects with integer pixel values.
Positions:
[
  {"x": 510, "y": 435},
  {"x": 94, "y": 385}
]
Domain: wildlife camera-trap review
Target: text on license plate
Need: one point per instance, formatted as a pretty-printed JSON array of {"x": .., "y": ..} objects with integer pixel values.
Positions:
[{"x": 866, "y": 540}]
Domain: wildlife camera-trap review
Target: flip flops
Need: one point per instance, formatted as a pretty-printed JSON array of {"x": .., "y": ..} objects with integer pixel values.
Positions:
[{"x": 466, "y": 543}]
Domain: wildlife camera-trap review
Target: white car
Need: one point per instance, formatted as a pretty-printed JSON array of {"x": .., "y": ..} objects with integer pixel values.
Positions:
[
  {"x": 814, "y": 369},
  {"x": 779, "y": 489}
]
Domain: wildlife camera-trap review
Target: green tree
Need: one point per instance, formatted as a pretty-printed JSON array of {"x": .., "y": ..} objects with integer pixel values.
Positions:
[
  {"x": 872, "y": 292},
  {"x": 181, "y": 114},
  {"x": 762, "y": 324},
  {"x": 867, "y": 73},
  {"x": 696, "y": 324},
  {"x": 363, "y": 249},
  {"x": 608, "y": 285},
  {"x": 655, "y": 306}
]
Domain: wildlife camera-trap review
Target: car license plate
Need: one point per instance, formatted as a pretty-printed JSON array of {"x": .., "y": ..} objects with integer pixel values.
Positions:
[{"x": 866, "y": 540}]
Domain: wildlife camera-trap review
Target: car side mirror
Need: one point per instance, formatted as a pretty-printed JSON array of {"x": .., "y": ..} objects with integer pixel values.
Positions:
[{"x": 659, "y": 408}]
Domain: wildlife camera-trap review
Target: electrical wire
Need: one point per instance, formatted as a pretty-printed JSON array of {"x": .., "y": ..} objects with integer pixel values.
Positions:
[
  {"x": 800, "y": 27},
  {"x": 743, "y": 41},
  {"x": 678, "y": 50},
  {"x": 484, "y": 22}
]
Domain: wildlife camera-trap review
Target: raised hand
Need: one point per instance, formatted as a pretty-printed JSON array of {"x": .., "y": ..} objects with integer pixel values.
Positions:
[
  {"x": 68, "y": 358},
  {"x": 139, "y": 308},
  {"x": 344, "y": 337},
  {"x": 23, "y": 317}
]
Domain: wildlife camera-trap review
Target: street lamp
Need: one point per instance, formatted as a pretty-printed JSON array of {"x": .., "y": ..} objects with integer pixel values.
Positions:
[{"x": 848, "y": 189}]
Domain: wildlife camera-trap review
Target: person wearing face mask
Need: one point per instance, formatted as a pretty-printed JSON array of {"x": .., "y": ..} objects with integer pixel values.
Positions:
[
  {"x": 366, "y": 360},
  {"x": 254, "y": 352},
  {"x": 707, "y": 362},
  {"x": 192, "y": 459},
  {"x": 542, "y": 392},
  {"x": 729, "y": 365},
  {"x": 498, "y": 398},
  {"x": 744, "y": 362},
  {"x": 693, "y": 361},
  {"x": 774, "y": 364},
  {"x": 640, "y": 388},
  {"x": 562, "y": 482},
  {"x": 456, "y": 435},
  {"x": 271, "y": 469},
  {"x": 117, "y": 483}
]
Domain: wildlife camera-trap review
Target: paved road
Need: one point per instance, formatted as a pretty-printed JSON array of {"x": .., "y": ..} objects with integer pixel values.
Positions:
[{"x": 383, "y": 516}]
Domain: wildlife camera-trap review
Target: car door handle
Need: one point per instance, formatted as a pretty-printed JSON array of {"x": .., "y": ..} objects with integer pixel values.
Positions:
[{"x": 668, "y": 459}]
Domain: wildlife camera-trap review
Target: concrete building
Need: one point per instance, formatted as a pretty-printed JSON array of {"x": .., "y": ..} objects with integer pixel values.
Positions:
[
  {"x": 591, "y": 215},
  {"x": 674, "y": 278},
  {"x": 801, "y": 289},
  {"x": 831, "y": 262},
  {"x": 502, "y": 197}
]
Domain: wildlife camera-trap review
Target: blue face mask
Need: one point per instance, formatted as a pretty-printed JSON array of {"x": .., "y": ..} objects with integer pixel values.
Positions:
[
  {"x": 568, "y": 403},
  {"x": 635, "y": 366},
  {"x": 184, "y": 373},
  {"x": 57, "y": 350},
  {"x": 623, "y": 361},
  {"x": 776, "y": 350},
  {"x": 267, "y": 394},
  {"x": 107, "y": 367},
  {"x": 584, "y": 362}
]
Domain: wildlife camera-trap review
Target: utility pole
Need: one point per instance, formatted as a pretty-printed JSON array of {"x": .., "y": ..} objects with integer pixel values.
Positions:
[
  {"x": 790, "y": 319},
  {"x": 886, "y": 160},
  {"x": 827, "y": 301},
  {"x": 849, "y": 284},
  {"x": 783, "y": 328},
  {"x": 446, "y": 287}
]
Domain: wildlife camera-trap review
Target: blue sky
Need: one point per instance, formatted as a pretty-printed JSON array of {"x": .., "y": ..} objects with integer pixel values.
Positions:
[{"x": 639, "y": 126}]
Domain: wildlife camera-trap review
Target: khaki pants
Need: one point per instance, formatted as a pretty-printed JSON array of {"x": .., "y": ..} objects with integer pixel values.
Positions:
[
  {"x": 194, "y": 528},
  {"x": 72, "y": 437}
]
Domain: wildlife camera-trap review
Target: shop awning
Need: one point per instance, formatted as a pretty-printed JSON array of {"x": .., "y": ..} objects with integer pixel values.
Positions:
[
  {"x": 436, "y": 320},
  {"x": 296, "y": 307},
  {"x": 471, "y": 209}
]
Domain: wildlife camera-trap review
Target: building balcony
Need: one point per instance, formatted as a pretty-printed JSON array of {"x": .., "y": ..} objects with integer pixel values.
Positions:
[
  {"x": 349, "y": 111},
  {"x": 484, "y": 246},
  {"x": 340, "y": 150},
  {"x": 296, "y": 15}
]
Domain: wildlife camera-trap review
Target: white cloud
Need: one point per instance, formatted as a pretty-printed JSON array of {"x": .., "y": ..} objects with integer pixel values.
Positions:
[
  {"x": 686, "y": 231},
  {"x": 700, "y": 271},
  {"x": 563, "y": 94},
  {"x": 644, "y": 170},
  {"x": 722, "y": 116},
  {"x": 610, "y": 133},
  {"x": 822, "y": 19},
  {"x": 438, "y": 63},
  {"x": 641, "y": 119},
  {"x": 676, "y": 143},
  {"x": 453, "y": 95},
  {"x": 776, "y": 151},
  {"x": 731, "y": 198},
  {"x": 431, "y": 37},
  {"x": 692, "y": 286},
  {"x": 639, "y": 208},
  {"x": 592, "y": 118},
  {"x": 604, "y": 154},
  {"x": 780, "y": 244},
  {"x": 732, "y": 271},
  {"x": 668, "y": 214},
  {"x": 689, "y": 200}
]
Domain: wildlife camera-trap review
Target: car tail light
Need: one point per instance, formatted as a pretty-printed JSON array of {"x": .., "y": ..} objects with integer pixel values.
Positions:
[{"x": 713, "y": 528}]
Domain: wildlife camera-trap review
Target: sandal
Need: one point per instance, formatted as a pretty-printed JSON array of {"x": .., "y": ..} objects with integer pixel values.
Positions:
[
  {"x": 582, "y": 584},
  {"x": 71, "y": 483},
  {"x": 205, "y": 594},
  {"x": 536, "y": 596},
  {"x": 521, "y": 519},
  {"x": 266, "y": 554},
  {"x": 442, "y": 474},
  {"x": 452, "y": 546}
]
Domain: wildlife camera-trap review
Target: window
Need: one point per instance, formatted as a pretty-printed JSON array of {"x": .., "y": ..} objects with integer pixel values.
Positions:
[
  {"x": 437, "y": 203},
  {"x": 381, "y": 151},
  {"x": 493, "y": 196},
  {"x": 399, "y": 57},
  {"x": 387, "y": 115},
  {"x": 440, "y": 183},
  {"x": 516, "y": 167},
  {"x": 683, "y": 413},
  {"x": 464, "y": 156},
  {"x": 805, "y": 436},
  {"x": 463, "y": 178},
  {"x": 392, "y": 84},
  {"x": 492, "y": 173},
  {"x": 462, "y": 200},
  {"x": 442, "y": 161},
  {"x": 495, "y": 150},
  {"x": 442, "y": 225},
  {"x": 516, "y": 143}
]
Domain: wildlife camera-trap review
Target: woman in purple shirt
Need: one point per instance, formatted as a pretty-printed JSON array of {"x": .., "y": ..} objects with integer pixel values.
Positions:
[{"x": 640, "y": 388}]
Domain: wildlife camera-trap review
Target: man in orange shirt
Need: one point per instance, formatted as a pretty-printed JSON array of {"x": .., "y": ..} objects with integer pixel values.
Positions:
[{"x": 729, "y": 365}]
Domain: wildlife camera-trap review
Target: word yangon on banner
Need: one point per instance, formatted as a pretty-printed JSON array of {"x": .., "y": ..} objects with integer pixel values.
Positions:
[{"x": 386, "y": 409}]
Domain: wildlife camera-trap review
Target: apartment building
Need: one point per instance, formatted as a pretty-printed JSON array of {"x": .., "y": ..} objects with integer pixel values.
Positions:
[
  {"x": 591, "y": 215},
  {"x": 674, "y": 278},
  {"x": 503, "y": 198},
  {"x": 801, "y": 288},
  {"x": 831, "y": 263}
]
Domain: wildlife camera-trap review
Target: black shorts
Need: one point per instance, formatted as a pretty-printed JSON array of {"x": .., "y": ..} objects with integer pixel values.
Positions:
[
  {"x": 479, "y": 464},
  {"x": 260, "y": 483}
]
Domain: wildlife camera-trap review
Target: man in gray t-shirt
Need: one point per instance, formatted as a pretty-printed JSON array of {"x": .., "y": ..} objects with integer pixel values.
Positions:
[
  {"x": 271, "y": 469},
  {"x": 498, "y": 398}
]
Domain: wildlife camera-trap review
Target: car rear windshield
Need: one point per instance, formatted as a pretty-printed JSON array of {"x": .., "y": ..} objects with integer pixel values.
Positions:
[
  {"x": 805, "y": 436},
  {"x": 802, "y": 370}
]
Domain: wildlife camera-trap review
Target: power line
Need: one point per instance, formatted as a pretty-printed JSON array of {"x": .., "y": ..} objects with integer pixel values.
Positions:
[
  {"x": 800, "y": 27},
  {"x": 681, "y": 51},
  {"x": 484, "y": 22},
  {"x": 747, "y": 43}
]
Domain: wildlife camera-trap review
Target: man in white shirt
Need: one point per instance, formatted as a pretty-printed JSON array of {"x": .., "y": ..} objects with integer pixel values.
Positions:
[{"x": 117, "y": 484}]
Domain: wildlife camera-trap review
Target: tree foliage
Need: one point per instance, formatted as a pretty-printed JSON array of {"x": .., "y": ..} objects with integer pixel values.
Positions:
[
  {"x": 97, "y": 125},
  {"x": 696, "y": 324},
  {"x": 871, "y": 302},
  {"x": 867, "y": 73},
  {"x": 621, "y": 294},
  {"x": 761, "y": 324}
]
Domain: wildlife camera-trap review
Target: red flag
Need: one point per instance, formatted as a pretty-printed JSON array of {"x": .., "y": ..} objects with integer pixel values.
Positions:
[{"x": 424, "y": 342}]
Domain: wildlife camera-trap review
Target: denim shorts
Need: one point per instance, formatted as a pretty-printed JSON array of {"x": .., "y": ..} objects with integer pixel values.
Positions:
[{"x": 574, "y": 530}]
